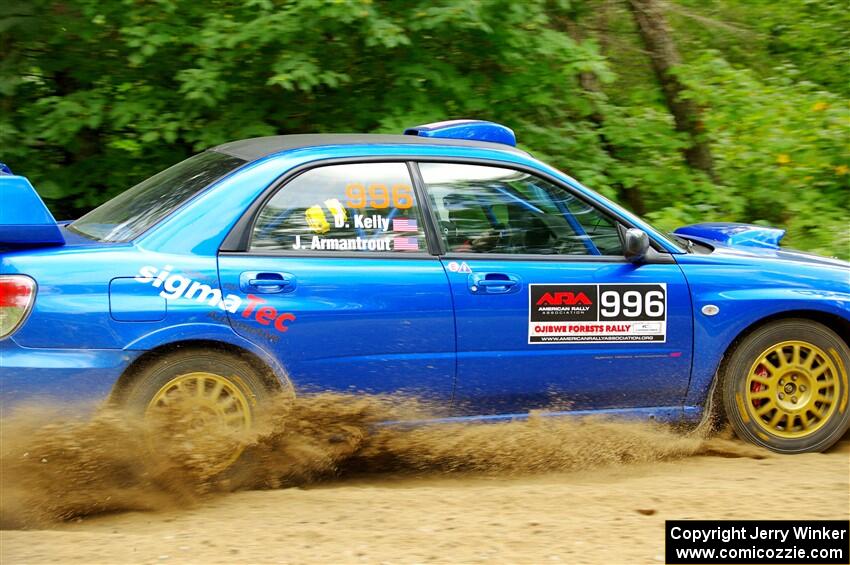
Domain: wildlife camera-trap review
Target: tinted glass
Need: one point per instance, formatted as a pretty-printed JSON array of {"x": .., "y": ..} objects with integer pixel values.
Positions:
[
  {"x": 132, "y": 212},
  {"x": 494, "y": 210},
  {"x": 363, "y": 207}
]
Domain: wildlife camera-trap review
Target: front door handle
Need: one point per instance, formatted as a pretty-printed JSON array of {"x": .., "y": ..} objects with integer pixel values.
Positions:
[
  {"x": 493, "y": 283},
  {"x": 266, "y": 282}
]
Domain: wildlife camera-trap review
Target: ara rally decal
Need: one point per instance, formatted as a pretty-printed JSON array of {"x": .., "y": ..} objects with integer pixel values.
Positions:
[{"x": 599, "y": 313}]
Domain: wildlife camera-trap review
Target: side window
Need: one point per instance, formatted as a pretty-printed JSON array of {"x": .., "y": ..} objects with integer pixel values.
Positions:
[
  {"x": 363, "y": 207},
  {"x": 482, "y": 209}
]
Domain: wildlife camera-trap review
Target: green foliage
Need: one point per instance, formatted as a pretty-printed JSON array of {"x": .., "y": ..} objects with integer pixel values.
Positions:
[
  {"x": 98, "y": 95},
  {"x": 785, "y": 146}
]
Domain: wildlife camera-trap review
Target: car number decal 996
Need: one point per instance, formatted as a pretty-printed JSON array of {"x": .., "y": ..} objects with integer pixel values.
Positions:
[{"x": 599, "y": 313}]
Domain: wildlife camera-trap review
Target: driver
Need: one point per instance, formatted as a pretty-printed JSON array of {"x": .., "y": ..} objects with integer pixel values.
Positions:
[{"x": 462, "y": 232}]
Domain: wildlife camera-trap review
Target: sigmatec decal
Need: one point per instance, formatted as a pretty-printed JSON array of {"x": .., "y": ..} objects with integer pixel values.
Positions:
[{"x": 175, "y": 287}]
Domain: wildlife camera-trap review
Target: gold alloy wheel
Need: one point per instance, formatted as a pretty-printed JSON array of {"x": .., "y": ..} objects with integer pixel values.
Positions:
[
  {"x": 791, "y": 389},
  {"x": 213, "y": 404}
]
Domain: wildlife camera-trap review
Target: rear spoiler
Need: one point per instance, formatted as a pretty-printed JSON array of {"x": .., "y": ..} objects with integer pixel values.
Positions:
[{"x": 24, "y": 219}]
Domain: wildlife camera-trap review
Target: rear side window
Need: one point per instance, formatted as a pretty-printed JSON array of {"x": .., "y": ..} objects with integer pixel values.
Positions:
[
  {"x": 482, "y": 209},
  {"x": 132, "y": 212},
  {"x": 358, "y": 207}
]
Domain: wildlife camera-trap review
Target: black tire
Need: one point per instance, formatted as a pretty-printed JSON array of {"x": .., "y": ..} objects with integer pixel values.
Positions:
[
  {"x": 232, "y": 379},
  {"x": 153, "y": 376},
  {"x": 758, "y": 390}
]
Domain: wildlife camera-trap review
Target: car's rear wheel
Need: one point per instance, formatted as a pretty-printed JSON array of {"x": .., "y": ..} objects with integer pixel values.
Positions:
[
  {"x": 785, "y": 387},
  {"x": 203, "y": 399}
]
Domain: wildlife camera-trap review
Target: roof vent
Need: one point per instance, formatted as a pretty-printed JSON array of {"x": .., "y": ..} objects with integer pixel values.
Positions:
[{"x": 475, "y": 130}]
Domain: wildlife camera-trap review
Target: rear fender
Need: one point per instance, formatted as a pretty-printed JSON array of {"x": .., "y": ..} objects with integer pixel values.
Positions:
[{"x": 187, "y": 333}]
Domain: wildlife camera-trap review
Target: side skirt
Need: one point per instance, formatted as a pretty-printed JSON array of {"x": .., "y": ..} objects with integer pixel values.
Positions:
[{"x": 666, "y": 414}]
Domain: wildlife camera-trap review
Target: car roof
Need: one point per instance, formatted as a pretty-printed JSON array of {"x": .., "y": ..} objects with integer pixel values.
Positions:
[{"x": 259, "y": 147}]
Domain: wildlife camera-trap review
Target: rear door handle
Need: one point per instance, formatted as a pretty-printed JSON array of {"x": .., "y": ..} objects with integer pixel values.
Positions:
[
  {"x": 493, "y": 283},
  {"x": 266, "y": 282}
]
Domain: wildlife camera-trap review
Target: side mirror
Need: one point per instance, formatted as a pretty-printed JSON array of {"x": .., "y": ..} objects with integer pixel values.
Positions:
[{"x": 636, "y": 245}]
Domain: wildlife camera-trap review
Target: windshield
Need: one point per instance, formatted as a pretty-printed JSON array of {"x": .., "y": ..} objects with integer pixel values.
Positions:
[{"x": 134, "y": 211}]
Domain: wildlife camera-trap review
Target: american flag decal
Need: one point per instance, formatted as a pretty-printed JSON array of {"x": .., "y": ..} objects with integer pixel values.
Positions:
[
  {"x": 405, "y": 224},
  {"x": 406, "y": 243}
]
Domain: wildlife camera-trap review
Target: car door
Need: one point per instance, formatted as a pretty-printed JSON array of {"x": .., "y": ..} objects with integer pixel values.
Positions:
[
  {"x": 338, "y": 283},
  {"x": 549, "y": 313}
]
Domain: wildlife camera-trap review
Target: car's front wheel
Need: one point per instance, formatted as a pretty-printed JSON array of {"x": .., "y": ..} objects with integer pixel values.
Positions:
[
  {"x": 204, "y": 399},
  {"x": 785, "y": 387}
]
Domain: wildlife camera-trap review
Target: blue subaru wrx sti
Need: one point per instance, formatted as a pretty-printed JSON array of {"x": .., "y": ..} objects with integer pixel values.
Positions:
[{"x": 444, "y": 262}]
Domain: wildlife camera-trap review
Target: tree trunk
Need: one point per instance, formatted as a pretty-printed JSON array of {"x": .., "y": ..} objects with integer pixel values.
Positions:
[
  {"x": 658, "y": 40},
  {"x": 590, "y": 83}
]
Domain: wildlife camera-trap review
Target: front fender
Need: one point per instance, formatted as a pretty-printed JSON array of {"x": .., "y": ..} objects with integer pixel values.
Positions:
[{"x": 744, "y": 308}]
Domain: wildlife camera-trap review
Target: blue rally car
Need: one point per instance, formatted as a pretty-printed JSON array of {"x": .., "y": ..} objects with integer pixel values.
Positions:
[{"x": 445, "y": 263}]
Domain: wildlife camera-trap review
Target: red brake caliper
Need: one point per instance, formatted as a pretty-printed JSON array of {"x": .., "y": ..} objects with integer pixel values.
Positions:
[{"x": 756, "y": 387}]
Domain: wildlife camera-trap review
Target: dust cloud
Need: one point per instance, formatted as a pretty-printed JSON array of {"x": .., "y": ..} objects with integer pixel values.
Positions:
[{"x": 55, "y": 467}]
